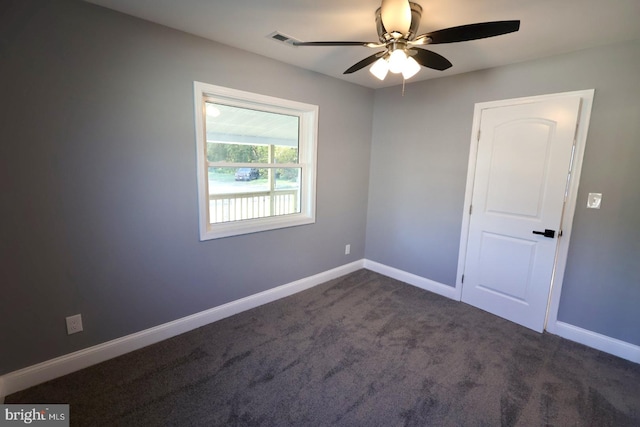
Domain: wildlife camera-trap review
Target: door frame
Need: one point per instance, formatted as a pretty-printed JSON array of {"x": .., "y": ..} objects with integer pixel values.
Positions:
[{"x": 562, "y": 250}]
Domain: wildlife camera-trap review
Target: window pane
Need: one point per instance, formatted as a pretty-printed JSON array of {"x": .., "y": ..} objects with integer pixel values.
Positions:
[
  {"x": 237, "y": 180},
  {"x": 286, "y": 198},
  {"x": 285, "y": 154},
  {"x": 237, "y": 153},
  {"x": 242, "y": 135},
  {"x": 287, "y": 178},
  {"x": 237, "y": 194}
]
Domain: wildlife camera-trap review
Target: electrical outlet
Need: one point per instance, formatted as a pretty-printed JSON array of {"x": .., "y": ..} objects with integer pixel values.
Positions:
[
  {"x": 594, "y": 201},
  {"x": 347, "y": 249},
  {"x": 74, "y": 324}
]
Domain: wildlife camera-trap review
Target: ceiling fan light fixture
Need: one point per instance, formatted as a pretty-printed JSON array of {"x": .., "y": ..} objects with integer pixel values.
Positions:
[
  {"x": 410, "y": 68},
  {"x": 380, "y": 68},
  {"x": 396, "y": 15}
]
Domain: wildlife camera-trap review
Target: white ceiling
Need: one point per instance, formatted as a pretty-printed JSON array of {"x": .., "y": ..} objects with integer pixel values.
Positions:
[{"x": 548, "y": 27}]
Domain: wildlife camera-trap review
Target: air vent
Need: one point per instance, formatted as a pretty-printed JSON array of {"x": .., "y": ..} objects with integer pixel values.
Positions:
[{"x": 283, "y": 38}]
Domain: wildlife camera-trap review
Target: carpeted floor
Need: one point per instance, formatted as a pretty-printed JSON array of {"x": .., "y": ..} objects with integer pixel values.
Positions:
[{"x": 361, "y": 350}]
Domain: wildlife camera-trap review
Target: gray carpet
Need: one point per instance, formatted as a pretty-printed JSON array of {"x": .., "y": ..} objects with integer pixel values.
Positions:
[{"x": 361, "y": 350}]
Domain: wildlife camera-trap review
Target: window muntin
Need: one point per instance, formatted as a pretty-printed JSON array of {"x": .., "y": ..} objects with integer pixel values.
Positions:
[{"x": 256, "y": 161}]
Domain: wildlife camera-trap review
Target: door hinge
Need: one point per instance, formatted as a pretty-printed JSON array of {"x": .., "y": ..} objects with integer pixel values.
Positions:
[
  {"x": 479, "y": 134},
  {"x": 463, "y": 278},
  {"x": 470, "y": 209}
]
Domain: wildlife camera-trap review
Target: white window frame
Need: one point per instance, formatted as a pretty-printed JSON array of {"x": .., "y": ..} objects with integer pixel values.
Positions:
[{"x": 307, "y": 159}]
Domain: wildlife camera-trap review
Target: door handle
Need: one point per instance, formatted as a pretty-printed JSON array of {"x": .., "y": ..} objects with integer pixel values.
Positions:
[{"x": 546, "y": 233}]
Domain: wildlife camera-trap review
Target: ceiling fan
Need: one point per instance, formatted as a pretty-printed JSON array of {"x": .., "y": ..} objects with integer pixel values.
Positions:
[{"x": 397, "y": 23}]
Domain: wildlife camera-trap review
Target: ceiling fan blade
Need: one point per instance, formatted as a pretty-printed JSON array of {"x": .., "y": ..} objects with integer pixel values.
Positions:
[
  {"x": 396, "y": 15},
  {"x": 366, "y": 44},
  {"x": 430, "y": 59},
  {"x": 472, "y": 32},
  {"x": 366, "y": 61}
]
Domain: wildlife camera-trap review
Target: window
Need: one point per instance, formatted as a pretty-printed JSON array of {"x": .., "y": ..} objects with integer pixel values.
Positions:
[{"x": 256, "y": 161}]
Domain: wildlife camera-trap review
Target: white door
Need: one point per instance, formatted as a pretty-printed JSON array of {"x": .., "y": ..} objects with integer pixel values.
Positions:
[{"x": 523, "y": 160}]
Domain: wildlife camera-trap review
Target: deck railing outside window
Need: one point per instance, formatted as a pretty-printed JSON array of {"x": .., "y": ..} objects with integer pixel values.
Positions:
[{"x": 242, "y": 206}]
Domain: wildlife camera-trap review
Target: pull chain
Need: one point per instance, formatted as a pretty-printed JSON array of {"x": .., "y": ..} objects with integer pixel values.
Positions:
[{"x": 403, "y": 80}]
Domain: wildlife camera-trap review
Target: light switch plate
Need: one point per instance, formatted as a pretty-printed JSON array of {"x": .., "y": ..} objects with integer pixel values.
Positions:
[{"x": 594, "y": 200}]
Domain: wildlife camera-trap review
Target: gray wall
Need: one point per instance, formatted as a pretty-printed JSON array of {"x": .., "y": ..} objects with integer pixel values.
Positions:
[
  {"x": 98, "y": 178},
  {"x": 418, "y": 167}
]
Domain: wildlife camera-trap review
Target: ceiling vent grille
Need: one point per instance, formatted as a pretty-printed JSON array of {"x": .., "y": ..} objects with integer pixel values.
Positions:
[{"x": 283, "y": 38}]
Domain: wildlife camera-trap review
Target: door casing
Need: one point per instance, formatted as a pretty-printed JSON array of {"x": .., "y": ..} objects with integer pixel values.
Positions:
[{"x": 570, "y": 203}]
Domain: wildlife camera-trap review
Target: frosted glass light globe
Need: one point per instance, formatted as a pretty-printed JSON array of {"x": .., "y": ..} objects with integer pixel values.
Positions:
[
  {"x": 397, "y": 61},
  {"x": 380, "y": 68},
  {"x": 411, "y": 68}
]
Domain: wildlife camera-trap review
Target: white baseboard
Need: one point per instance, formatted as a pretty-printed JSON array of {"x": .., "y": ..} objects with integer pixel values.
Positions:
[
  {"x": 63, "y": 365},
  {"x": 600, "y": 342},
  {"x": 412, "y": 279}
]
